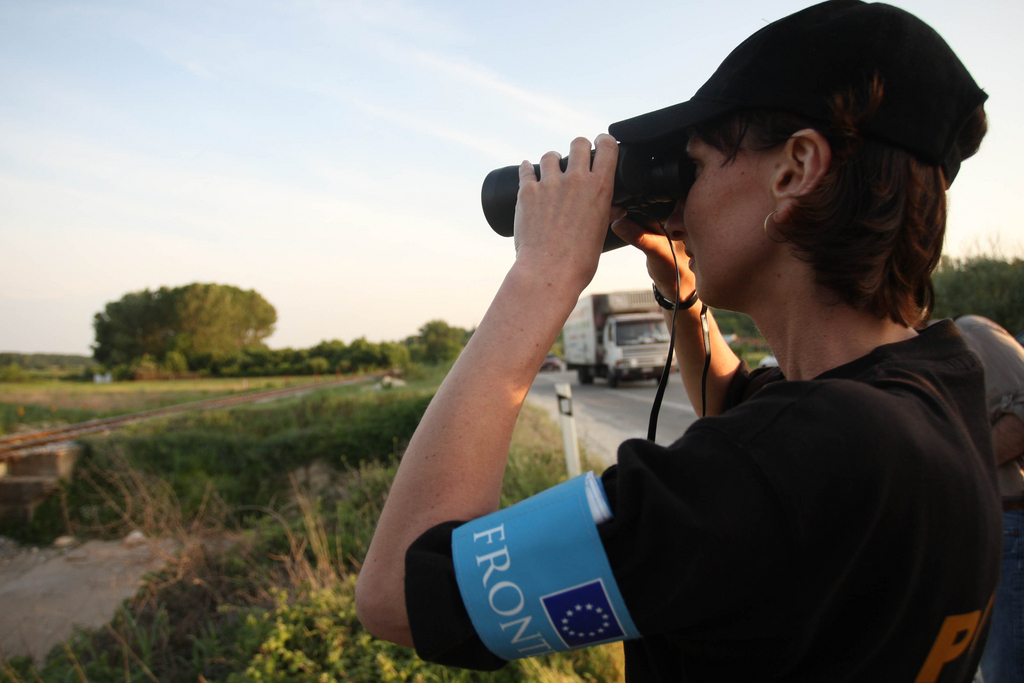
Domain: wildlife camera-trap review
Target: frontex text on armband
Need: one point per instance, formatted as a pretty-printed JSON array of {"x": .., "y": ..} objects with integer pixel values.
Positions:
[
  {"x": 514, "y": 603},
  {"x": 535, "y": 579}
]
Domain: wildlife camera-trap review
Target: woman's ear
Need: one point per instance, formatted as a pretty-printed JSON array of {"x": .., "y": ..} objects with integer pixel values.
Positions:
[{"x": 804, "y": 160}]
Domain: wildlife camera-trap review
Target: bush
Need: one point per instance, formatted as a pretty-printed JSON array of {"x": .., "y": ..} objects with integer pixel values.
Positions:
[
  {"x": 319, "y": 638},
  {"x": 740, "y": 324},
  {"x": 13, "y": 373},
  {"x": 981, "y": 285},
  {"x": 245, "y": 454}
]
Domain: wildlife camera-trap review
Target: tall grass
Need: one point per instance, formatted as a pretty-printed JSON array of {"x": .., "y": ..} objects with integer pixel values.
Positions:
[
  {"x": 30, "y": 416},
  {"x": 245, "y": 454},
  {"x": 260, "y": 586}
]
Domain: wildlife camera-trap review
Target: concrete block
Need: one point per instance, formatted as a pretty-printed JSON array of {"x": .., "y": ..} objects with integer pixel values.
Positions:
[{"x": 52, "y": 460}]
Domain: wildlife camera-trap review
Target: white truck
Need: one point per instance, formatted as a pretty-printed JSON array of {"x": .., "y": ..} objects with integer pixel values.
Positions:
[{"x": 619, "y": 335}]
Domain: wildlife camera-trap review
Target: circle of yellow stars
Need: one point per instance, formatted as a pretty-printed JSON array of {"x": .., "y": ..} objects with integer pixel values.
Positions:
[{"x": 605, "y": 619}]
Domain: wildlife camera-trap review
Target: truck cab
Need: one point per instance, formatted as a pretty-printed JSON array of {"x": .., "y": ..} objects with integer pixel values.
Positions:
[
  {"x": 634, "y": 346},
  {"x": 621, "y": 335}
]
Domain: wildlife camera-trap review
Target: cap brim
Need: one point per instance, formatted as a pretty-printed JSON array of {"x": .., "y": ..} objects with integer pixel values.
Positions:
[{"x": 667, "y": 121}]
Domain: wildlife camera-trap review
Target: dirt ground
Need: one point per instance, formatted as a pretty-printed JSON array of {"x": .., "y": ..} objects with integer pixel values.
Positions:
[{"x": 45, "y": 592}]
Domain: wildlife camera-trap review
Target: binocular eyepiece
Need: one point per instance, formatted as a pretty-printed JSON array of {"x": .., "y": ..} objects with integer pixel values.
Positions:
[{"x": 649, "y": 178}]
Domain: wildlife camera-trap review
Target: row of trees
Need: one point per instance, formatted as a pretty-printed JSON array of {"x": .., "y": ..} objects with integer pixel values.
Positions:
[
  {"x": 218, "y": 330},
  {"x": 978, "y": 285},
  {"x": 437, "y": 342},
  {"x": 45, "y": 361}
]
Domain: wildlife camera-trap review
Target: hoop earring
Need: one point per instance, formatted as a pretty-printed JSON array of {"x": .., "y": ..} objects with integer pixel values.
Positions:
[{"x": 766, "y": 230}]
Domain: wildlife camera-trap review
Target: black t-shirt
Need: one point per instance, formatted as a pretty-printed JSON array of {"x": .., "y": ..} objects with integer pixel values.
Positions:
[{"x": 843, "y": 528}]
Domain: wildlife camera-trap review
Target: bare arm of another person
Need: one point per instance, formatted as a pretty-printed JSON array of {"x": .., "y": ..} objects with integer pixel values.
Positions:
[
  {"x": 689, "y": 346},
  {"x": 1008, "y": 438},
  {"x": 453, "y": 467}
]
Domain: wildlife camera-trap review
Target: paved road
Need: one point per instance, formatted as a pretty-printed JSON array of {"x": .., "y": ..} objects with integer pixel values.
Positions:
[{"x": 606, "y": 417}]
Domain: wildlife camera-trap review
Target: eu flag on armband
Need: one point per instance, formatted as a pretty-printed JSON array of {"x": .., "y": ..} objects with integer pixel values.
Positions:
[
  {"x": 583, "y": 615},
  {"x": 535, "y": 578}
]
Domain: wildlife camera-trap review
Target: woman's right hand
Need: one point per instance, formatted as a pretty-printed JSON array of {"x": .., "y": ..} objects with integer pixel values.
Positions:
[
  {"x": 561, "y": 219},
  {"x": 660, "y": 264}
]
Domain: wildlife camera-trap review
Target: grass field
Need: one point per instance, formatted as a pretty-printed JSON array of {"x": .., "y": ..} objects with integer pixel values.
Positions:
[
  {"x": 132, "y": 396},
  {"x": 38, "y": 405}
]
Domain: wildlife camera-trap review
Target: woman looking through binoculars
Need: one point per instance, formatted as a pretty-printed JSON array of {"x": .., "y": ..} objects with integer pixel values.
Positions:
[{"x": 831, "y": 519}]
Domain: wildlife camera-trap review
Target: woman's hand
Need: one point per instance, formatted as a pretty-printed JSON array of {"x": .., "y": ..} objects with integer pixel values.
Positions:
[
  {"x": 691, "y": 353},
  {"x": 561, "y": 220},
  {"x": 660, "y": 265}
]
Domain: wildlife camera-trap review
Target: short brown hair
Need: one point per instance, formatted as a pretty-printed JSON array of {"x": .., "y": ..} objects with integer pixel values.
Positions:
[{"x": 874, "y": 226}]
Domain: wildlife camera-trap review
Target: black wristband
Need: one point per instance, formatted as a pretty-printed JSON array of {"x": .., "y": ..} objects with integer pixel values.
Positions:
[{"x": 671, "y": 305}]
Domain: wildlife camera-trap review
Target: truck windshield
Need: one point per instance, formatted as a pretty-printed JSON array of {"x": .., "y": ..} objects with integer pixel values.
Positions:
[{"x": 640, "y": 332}]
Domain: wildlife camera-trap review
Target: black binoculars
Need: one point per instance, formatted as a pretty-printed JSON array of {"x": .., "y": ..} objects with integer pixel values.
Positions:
[{"x": 649, "y": 178}]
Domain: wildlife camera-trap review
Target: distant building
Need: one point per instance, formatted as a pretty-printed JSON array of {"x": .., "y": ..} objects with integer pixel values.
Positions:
[{"x": 105, "y": 378}]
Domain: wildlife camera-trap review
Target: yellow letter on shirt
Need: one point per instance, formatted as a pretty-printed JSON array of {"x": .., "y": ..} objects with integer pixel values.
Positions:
[{"x": 956, "y": 634}]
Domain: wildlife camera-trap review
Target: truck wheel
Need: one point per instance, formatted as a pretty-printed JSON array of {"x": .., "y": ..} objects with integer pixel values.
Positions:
[
  {"x": 585, "y": 375},
  {"x": 613, "y": 378}
]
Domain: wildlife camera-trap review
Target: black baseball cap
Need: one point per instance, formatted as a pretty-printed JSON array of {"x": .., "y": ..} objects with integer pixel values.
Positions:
[{"x": 798, "y": 63}]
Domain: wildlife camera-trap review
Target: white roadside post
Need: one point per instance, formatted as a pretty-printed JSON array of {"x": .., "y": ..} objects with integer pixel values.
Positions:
[{"x": 568, "y": 424}]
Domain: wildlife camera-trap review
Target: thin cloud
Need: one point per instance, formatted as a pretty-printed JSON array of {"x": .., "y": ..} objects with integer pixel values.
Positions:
[
  {"x": 540, "y": 109},
  {"x": 494, "y": 149},
  {"x": 389, "y": 15}
]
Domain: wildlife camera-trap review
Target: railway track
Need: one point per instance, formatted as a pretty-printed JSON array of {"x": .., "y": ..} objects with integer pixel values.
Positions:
[{"x": 13, "y": 445}]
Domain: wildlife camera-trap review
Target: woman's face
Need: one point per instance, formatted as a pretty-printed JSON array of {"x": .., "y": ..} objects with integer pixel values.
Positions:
[{"x": 721, "y": 222}]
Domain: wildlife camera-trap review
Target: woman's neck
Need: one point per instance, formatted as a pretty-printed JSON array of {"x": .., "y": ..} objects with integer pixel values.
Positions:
[{"x": 810, "y": 335}]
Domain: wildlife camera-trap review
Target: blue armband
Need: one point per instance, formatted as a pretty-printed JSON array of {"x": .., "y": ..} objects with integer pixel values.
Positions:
[{"x": 535, "y": 578}]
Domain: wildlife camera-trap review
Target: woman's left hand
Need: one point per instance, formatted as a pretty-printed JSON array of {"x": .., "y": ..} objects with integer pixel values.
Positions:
[{"x": 660, "y": 264}]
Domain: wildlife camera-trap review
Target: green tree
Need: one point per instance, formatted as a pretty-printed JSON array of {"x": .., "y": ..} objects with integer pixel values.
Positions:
[
  {"x": 139, "y": 324},
  {"x": 175, "y": 362},
  {"x": 981, "y": 285},
  {"x": 437, "y": 342},
  {"x": 362, "y": 354},
  {"x": 192, "y": 320},
  {"x": 394, "y": 355},
  {"x": 220, "y": 318}
]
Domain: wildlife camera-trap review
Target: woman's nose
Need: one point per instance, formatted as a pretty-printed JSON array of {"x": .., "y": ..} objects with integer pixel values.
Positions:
[{"x": 674, "y": 224}]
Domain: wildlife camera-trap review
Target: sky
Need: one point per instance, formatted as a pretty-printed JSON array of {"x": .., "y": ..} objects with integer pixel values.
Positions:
[{"x": 329, "y": 154}]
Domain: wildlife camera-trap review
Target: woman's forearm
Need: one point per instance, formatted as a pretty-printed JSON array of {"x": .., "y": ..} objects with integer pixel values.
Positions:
[
  {"x": 690, "y": 358},
  {"x": 453, "y": 467}
]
